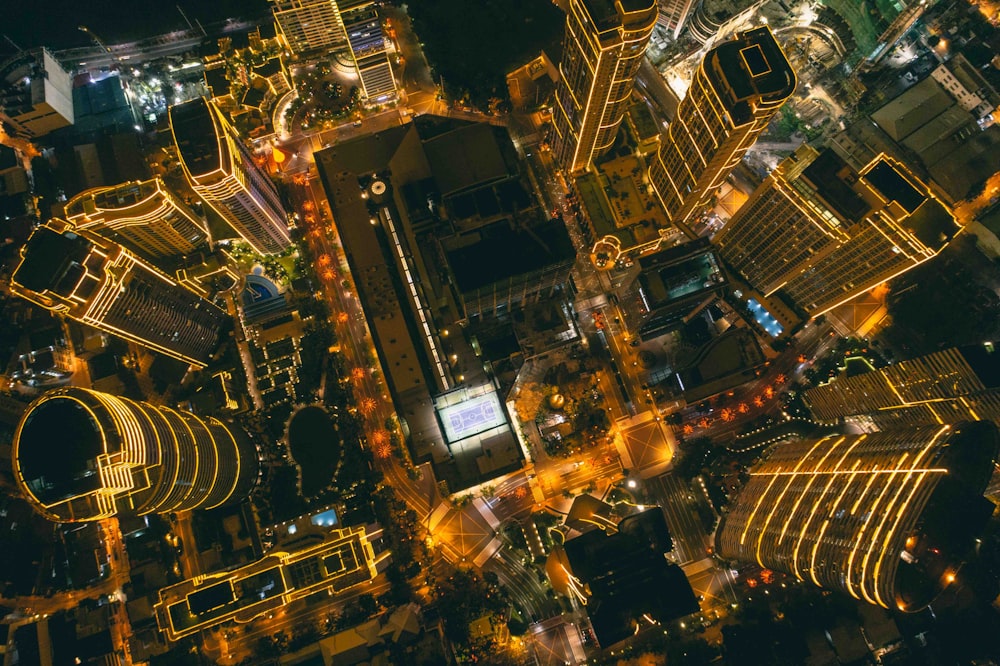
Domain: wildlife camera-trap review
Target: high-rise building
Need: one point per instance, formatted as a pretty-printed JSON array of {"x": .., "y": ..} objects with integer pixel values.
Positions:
[
  {"x": 367, "y": 42},
  {"x": 947, "y": 386},
  {"x": 36, "y": 93},
  {"x": 717, "y": 19},
  {"x": 309, "y": 25},
  {"x": 142, "y": 215},
  {"x": 737, "y": 89},
  {"x": 674, "y": 14},
  {"x": 602, "y": 52},
  {"x": 222, "y": 172},
  {"x": 81, "y": 455},
  {"x": 97, "y": 282},
  {"x": 869, "y": 515},
  {"x": 818, "y": 233}
]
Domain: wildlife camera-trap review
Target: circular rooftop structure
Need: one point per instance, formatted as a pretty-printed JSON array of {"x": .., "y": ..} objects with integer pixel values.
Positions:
[{"x": 58, "y": 445}]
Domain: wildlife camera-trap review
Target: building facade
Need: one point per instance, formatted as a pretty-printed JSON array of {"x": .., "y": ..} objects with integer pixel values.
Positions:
[
  {"x": 97, "y": 282},
  {"x": 944, "y": 387},
  {"x": 81, "y": 455},
  {"x": 36, "y": 94},
  {"x": 868, "y": 515},
  {"x": 222, "y": 172},
  {"x": 143, "y": 215},
  {"x": 737, "y": 89},
  {"x": 309, "y": 25},
  {"x": 367, "y": 45},
  {"x": 818, "y": 233},
  {"x": 674, "y": 14},
  {"x": 602, "y": 51}
]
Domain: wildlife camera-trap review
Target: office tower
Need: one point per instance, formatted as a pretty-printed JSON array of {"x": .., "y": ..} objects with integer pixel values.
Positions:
[
  {"x": 870, "y": 515},
  {"x": 222, "y": 172},
  {"x": 82, "y": 455},
  {"x": 143, "y": 215},
  {"x": 818, "y": 233},
  {"x": 602, "y": 52},
  {"x": 673, "y": 15},
  {"x": 947, "y": 386},
  {"x": 309, "y": 25},
  {"x": 367, "y": 43},
  {"x": 36, "y": 94},
  {"x": 97, "y": 282},
  {"x": 737, "y": 89}
]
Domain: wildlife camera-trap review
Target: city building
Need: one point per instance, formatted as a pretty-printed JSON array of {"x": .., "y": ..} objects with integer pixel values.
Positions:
[
  {"x": 620, "y": 573},
  {"x": 948, "y": 386},
  {"x": 737, "y": 89},
  {"x": 309, "y": 25},
  {"x": 36, "y": 94},
  {"x": 672, "y": 286},
  {"x": 602, "y": 51},
  {"x": 816, "y": 233},
  {"x": 368, "y": 50},
  {"x": 931, "y": 129},
  {"x": 342, "y": 560},
  {"x": 967, "y": 86},
  {"x": 144, "y": 216},
  {"x": 222, "y": 172},
  {"x": 97, "y": 282},
  {"x": 445, "y": 239},
  {"x": 885, "y": 517},
  {"x": 673, "y": 15},
  {"x": 81, "y": 455}
]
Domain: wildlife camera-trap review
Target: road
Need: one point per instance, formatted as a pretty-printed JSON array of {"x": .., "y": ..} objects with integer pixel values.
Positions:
[{"x": 677, "y": 500}]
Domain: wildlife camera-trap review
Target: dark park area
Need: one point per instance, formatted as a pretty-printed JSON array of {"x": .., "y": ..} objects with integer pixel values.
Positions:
[{"x": 316, "y": 448}]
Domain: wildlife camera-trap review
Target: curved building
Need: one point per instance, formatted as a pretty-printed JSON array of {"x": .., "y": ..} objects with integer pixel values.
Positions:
[
  {"x": 886, "y": 517},
  {"x": 222, "y": 172},
  {"x": 144, "y": 215},
  {"x": 602, "y": 51},
  {"x": 737, "y": 89},
  {"x": 81, "y": 455}
]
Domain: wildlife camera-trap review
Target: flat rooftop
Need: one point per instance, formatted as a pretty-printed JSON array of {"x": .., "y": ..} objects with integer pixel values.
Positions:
[
  {"x": 52, "y": 261},
  {"x": 752, "y": 66},
  {"x": 500, "y": 251},
  {"x": 194, "y": 132}
]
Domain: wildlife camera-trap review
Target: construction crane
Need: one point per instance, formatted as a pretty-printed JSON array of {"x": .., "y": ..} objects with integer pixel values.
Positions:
[{"x": 100, "y": 43}]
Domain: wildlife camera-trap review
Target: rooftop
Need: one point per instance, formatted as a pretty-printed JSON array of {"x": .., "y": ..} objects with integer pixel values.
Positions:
[
  {"x": 58, "y": 446},
  {"x": 51, "y": 261},
  {"x": 195, "y": 134},
  {"x": 749, "y": 68}
]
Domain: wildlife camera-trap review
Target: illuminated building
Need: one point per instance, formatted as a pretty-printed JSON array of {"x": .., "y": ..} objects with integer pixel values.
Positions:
[
  {"x": 97, "y": 282},
  {"x": 948, "y": 386},
  {"x": 309, "y": 25},
  {"x": 817, "y": 233},
  {"x": 341, "y": 561},
  {"x": 870, "y": 515},
  {"x": 222, "y": 172},
  {"x": 81, "y": 455},
  {"x": 737, "y": 89},
  {"x": 367, "y": 43},
  {"x": 144, "y": 216},
  {"x": 36, "y": 93},
  {"x": 602, "y": 51}
]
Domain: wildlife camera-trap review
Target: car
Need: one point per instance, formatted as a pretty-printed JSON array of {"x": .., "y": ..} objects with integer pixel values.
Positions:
[{"x": 357, "y": 123}]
